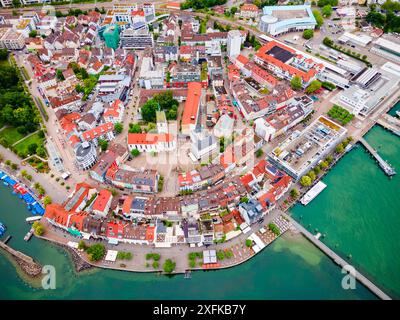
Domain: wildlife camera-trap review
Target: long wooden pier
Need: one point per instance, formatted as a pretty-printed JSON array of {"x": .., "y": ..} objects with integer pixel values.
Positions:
[
  {"x": 387, "y": 168},
  {"x": 337, "y": 259}
]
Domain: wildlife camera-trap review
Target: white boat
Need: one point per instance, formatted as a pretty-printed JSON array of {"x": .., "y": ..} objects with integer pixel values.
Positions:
[
  {"x": 28, "y": 236},
  {"x": 398, "y": 113},
  {"x": 313, "y": 192},
  {"x": 33, "y": 219}
]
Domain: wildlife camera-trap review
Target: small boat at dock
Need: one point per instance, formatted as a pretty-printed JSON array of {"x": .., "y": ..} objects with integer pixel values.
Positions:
[
  {"x": 29, "y": 235},
  {"x": 33, "y": 219}
]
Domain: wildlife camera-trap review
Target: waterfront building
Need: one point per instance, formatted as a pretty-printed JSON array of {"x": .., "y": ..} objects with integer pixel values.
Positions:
[
  {"x": 301, "y": 151},
  {"x": 372, "y": 87},
  {"x": 282, "y": 19},
  {"x": 251, "y": 211}
]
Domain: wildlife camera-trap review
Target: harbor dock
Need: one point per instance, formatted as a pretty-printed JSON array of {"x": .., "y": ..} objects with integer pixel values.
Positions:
[
  {"x": 387, "y": 168},
  {"x": 337, "y": 259},
  {"x": 390, "y": 123}
]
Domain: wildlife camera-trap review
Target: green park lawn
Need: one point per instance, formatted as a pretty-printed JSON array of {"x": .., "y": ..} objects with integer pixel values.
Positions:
[
  {"x": 10, "y": 135},
  {"x": 22, "y": 147}
]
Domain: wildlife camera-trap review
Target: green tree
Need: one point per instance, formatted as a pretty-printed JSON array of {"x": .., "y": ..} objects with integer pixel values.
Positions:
[
  {"x": 314, "y": 86},
  {"x": 324, "y": 164},
  {"x": 305, "y": 181},
  {"x": 327, "y": 10},
  {"x": 118, "y": 127},
  {"x": 103, "y": 144},
  {"x": 249, "y": 243},
  {"x": 3, "y": 54},
  {"x": 134, "y": 128},
  {"x": 135, "y": 153},
  {"x": 312, "y": 175},
  {"x": 318, "y": 18},
  {"x": 33, "y": 34},
  {"x": 294, "y": 193},
  {"x": 308, "y": 34},
  {"x": 169, "y": 266},
  {"x": 59, "y": 75},
  {"x": 296, "y": 83},
  {"x": 96, "y": 252},
  {"x": 339, "y": 148},
  {"x": 32, "y": 148},
  {"x": 47, "y": 200},
  {"x": 82, "y": 245}
]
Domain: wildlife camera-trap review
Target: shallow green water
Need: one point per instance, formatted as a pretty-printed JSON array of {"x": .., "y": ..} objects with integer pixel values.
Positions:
[
  {"x": 359, "y": 211},
  {"x": 291, "y": 268}
]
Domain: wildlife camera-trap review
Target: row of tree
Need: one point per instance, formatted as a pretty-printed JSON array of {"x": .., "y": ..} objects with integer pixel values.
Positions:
[{"x": 201, "y": 4}]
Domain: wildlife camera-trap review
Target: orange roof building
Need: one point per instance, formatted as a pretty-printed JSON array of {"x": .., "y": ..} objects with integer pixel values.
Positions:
[
  {"x": 282, "y": 61},
  {"x": 102, "y": 204},
  {"x": 151, "y": 142},
  {"x": 191, "y": 110},
  {"x": 102, "y": 130}
]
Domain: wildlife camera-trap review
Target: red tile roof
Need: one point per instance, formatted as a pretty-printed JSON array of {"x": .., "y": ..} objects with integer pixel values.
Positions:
[
  {"x": 98, "y": 131},
  {"x": 102, "y": 199},
  {"x": 149, "y": 138},
  {"x": 263, "y": 55},
  {"x": 192, "y": 103}
]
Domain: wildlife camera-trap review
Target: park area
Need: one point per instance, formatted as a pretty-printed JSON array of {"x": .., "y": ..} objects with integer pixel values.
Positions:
[
  {"x": 34, "y": 144},
  {"x": 9, "y": 136}
]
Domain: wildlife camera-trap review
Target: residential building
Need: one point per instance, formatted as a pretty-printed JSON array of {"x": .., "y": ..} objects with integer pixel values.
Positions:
[
  {"x": 102, "y": 203},
  {"x": 136, "y": 38},
  {"x": 234, "y": 43}
]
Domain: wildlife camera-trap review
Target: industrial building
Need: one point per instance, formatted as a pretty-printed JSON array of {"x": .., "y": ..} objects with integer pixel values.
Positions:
[{"x": 387, "y": 49}]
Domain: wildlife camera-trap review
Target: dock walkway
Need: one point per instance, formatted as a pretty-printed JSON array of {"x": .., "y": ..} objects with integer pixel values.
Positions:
[
  {"x": 337, "y": 259},
  {"x": 390, "y": 123},
  {"x": 387, "y": 168}
]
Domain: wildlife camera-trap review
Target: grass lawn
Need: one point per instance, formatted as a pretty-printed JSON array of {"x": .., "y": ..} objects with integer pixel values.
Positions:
[
  {"x": 23, "y": 145},
  {"x": 11, "y": 135}
]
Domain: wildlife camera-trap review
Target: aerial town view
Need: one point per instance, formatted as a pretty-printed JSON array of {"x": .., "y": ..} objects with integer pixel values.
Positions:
[{"x": 199, "y": 149}]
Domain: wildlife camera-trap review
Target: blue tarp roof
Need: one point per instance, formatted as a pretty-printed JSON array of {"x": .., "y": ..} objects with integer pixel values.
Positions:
[
  {"x": 28, "y": 198},
  {"x": 10, "y": 181},
  {"x": 38, "y": 209}
]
